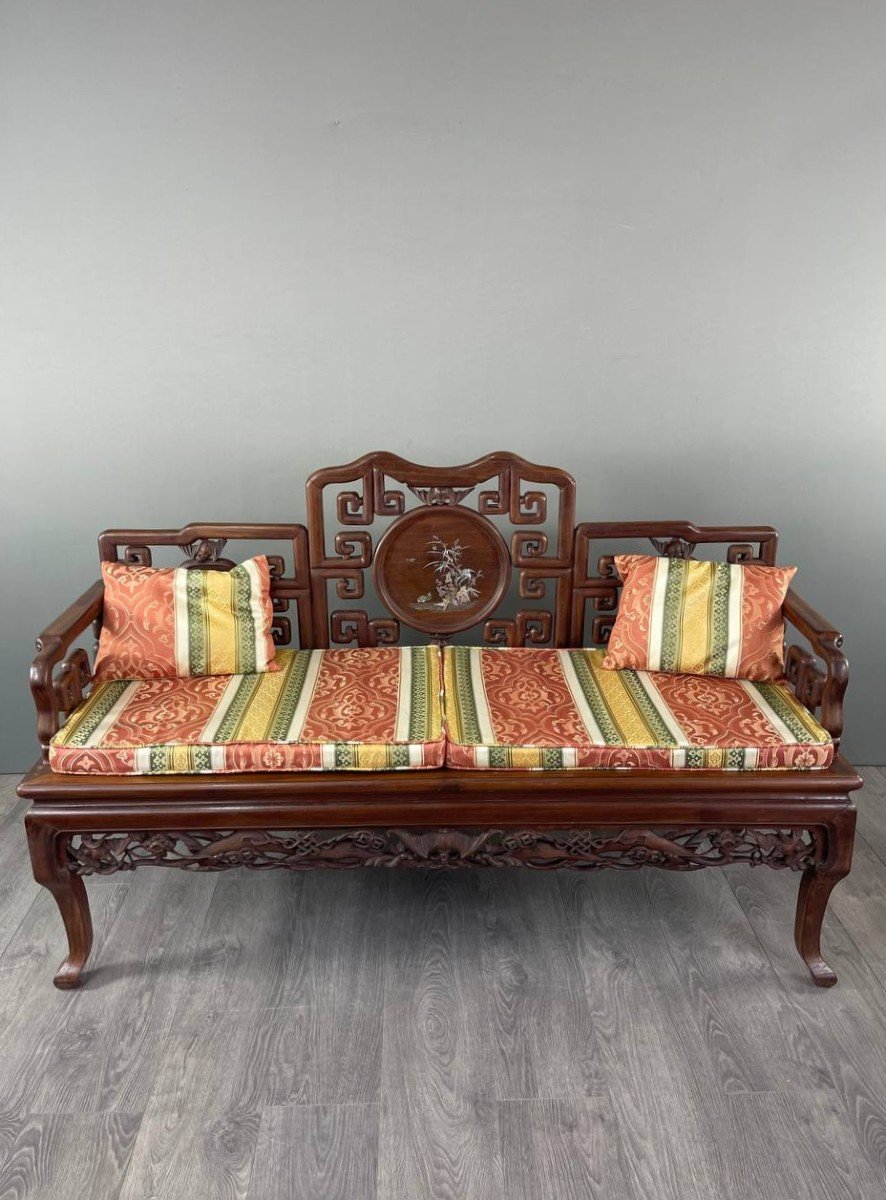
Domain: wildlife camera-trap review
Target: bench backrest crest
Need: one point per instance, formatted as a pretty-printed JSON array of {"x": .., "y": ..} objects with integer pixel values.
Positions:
[{"x": 396, "y": 551}]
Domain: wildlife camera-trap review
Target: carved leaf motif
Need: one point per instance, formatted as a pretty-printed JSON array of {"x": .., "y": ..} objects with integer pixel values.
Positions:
[
  {"x": 675, "y": 547},
  {"x": 626, "y": 850},
  {"x": 440, "y": 494},
  {"x": 204, "y": 550}
]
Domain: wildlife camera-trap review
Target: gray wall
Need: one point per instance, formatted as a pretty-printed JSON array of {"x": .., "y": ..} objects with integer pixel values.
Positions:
[{"x": 642, "y": 240}]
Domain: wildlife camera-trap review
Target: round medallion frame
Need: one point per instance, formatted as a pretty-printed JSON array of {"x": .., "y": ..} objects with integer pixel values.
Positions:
[{"x": 442, "y": 569}]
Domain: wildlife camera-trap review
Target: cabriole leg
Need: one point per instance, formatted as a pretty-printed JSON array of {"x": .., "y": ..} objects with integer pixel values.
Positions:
[
  {"x": 816, "y": 886},
  {"x": 47, "y": 848}
]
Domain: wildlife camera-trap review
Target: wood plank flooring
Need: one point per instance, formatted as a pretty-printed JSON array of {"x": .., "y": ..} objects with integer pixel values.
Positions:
[{"x": 467, "y": 1036}]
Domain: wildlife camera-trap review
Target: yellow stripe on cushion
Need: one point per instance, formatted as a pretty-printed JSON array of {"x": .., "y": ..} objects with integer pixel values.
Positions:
[
  {"x": 453, "y": 680},
  {"x": 453, "y": 709},
  {"x": 632, "y": 726},
  {"x": 221, "y": 625},
  {"x": 256, "y": 723},
  {"x": 435, "y": 700},
  {"x": 182, "y": 758},
  {"x": 526, "y": 757},
  {"x": 372, "y": 757},
  {"x": 695, "y": 619}
]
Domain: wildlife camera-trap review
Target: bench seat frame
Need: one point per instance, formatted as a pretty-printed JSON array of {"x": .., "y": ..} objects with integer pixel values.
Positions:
[{"x": 680, "y": 820}]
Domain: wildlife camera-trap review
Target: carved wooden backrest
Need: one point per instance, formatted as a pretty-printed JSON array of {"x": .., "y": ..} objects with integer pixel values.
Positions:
[
  {"x": 203, "y": 546},
  {"x": 595, "y": 596},
  {"x": 441, "y": 548}
]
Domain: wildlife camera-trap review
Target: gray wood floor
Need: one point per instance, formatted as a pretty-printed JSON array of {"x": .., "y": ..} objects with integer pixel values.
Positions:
[{"x": 472, "y": 1035}]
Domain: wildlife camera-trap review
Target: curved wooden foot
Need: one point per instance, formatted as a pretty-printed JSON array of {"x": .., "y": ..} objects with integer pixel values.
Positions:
[
  {"x": 816, "y": 886},
  {"x": 815, "y": 890},
  {"x": 47, "y": 860}
]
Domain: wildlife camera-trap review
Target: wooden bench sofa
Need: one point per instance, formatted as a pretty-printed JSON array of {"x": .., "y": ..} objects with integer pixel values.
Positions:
[{"x": 356, "y": 577}]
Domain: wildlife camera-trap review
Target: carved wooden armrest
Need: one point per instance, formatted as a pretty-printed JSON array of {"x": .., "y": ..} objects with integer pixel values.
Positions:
[
  {"x": 814, "y": 687},
  {"x": 59, "y": 689}
]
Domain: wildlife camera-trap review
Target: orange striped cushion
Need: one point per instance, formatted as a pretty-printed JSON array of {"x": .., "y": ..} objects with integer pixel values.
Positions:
[
  {"x": 699, "y": 618},
  {"x": 552, "y": 710},
  {"x": 374, "y": 709},
  {"x": 163, "y": 622}
]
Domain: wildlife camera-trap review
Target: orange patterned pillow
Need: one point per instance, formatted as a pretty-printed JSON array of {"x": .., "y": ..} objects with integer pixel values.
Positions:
[
  {"x": 165, "y": 622},
  {"x": 699, "y": 618}
]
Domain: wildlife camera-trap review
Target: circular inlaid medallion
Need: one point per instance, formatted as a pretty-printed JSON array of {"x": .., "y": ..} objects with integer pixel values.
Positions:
[{"x": 442, "y": 568}]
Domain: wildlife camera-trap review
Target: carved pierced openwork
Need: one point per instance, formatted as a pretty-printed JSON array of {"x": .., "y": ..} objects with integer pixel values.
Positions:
[
  {"x": 600, "y": 591},
  {"x": 203, "y": 546},
  {"x": 576, "y": 849},
  {"x": 442, "y": 546}
]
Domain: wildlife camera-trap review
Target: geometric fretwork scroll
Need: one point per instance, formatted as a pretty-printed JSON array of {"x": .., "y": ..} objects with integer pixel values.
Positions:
[
  {"x": 575, "y": 849},
  {"x": 596, "y": 582},
  {"x": 352, "y": 507}
]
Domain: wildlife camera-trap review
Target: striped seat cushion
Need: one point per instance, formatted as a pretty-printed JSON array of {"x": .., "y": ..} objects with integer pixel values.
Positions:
[
  {"x": 554, "y": 709},
  {"x": 324, "y": 710}
]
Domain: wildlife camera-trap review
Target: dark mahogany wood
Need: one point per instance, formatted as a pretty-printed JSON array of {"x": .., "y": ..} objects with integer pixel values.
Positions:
[
  {"x": 52, "y": 868},
  {"x": 441, "y": 569},
  {"x": 581, "y": 820}
]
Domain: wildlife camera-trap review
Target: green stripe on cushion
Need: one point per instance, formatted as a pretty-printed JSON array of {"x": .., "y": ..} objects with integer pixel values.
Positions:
[
  {"x": 639, "y": 693},
  {"x": 672, "y": 618},
  {"x": 773, "y": 694},
  {"x": 237, "y": 708},
  {"x": 593, "y": 699},
  {"x": 345, "y": 756},
  {"x": 718, "y": 631},
  {"x": 552, "y": 759},
  {"x": 198, "y": 650},
  {"x": 467, "y": 707},
  {"x": 398, "y": 756},
  {"x": 99, "y": 705},
  {"x": 419, "y": 713},
  {"x": 296, "y": 672},
  {"x": 244, "y": 626}
]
